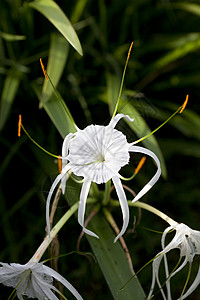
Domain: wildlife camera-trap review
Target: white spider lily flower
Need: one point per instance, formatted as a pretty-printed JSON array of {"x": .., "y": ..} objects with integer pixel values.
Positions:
[
  {"x": 97, "y": 153},
  {"x": 188, "y": 241},
  {"x": 34, "y": 280}
]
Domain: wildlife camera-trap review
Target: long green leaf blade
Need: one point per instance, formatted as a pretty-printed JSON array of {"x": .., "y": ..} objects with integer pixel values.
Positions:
[
  {"x": 110, "y": 256},
  {"x": 58, "y": 53},
  {"x": 57, "y": 17},
  {"x": 10, "y": 88}
]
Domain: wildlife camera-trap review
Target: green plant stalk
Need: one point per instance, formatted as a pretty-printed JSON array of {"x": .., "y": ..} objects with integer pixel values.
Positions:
[
  {"x": 42, "y": 248},
  {"x": 150, "y": 208}
]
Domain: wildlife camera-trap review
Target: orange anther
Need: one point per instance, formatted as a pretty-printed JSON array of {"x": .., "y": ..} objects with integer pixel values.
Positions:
[
  {"x": 19, "y": 125},
  {"x": 43, "y": 69},
  {"x": 141, "y": 163},
  {"x": 184, "y": 104},
  {"x": 59, "y": 164},
  {"x": 129, "y": 51}
]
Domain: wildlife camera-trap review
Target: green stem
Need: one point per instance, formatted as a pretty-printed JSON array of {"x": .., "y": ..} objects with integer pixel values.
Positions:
[
  {"x": 149, "y": 208},
  {"x": 122, "y": 81},
  {"x": 42, "y": 248},
  {"x": 106, "y": 197}
]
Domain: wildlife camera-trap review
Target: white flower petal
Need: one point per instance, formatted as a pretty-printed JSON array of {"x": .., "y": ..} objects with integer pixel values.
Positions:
[
  {"x": 194, "y": 285},
  {"x": 154, "y": 179},
  {"x": 62, "y": 280},
  {"x": 82, "y": 204},
  {"x": 116, "y": 119},
  {"x": 98, "y": 153},
  {"x": 34, "y": 280},
  {"x": 123, "y": 203},
  {"x": 65, "y": 150},
  {"x": 56, "y": 181}
]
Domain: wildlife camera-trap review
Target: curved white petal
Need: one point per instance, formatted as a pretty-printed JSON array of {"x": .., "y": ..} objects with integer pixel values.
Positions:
[
  {"x": 124, "y": 205},
  {"x": 56, "y": 181},
  {"x": 41, "y": 289},
  {"x": 115, "y": 120},
  {"x": 65, "y": 150},
  {"x": 81, "y": 209},
  {"x": 194, "y": 285},
  {"x": 154, "y": 179},
  {"x": 62, "y": 280}
]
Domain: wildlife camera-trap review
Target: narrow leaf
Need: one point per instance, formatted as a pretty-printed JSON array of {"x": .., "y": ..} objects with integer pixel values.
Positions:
[
  {"x": 11, "y": 37},
  {"x": 10, "y": 88},
  {"x": 58, "y": 113},
  {"x": 110, "y": 256},
  {"x": 58, "y": 53},
  {"x": 56, "y": 16},
  {"x": 189, "y": 7}
]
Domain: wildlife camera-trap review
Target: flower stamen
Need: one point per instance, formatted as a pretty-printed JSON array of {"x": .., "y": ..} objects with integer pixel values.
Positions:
[
  {"x": 19, "y": 125},
  {"x": 184, "y": 104},
  {"x": 43, "y": 69}
]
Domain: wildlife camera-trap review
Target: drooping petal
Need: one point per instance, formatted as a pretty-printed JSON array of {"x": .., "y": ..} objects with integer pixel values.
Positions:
[
  {"x": 154, "y": 179},
  {"x": 62, "y": 280},
  {"x": 116, "y": 119},
  {"x": 81, "y": 209},
  {"x": 42, "y": 289},
  {"x": 194, "y": 285},
  {"x": 65, "y": 149},
  {"x": 124, "y": 205},
  {"x": 56, "y": 181}
]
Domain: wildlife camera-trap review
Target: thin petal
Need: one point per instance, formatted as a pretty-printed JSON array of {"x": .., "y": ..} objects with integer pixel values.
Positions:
[
  {"x": 194, "y": 285},
  {"x": 82, "y": 204},
  {"x": 62, "y": 280},
  {"x": 154, "y": 179},
  {"x": 124, "y": 205},
  {"x": 43, "y": 288},
  {"x": 65, "y": 150},
  {"x": 116, "y": 119},
  {"x": 56, "y": 181}
]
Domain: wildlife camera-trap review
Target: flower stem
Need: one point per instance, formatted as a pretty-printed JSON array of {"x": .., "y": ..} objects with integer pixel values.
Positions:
[
  {"x": 48, "y": 239},
  {"x": 106, "y": 197},
  {"x": 42, "y": 248},
  {"x": 149, "y": 208}
]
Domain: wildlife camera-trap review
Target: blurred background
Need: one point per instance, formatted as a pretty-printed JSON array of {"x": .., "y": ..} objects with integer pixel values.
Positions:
[{"x": 164, "y": 66}]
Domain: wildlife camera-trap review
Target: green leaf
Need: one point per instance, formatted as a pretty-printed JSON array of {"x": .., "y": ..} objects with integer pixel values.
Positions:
[
  {"x": 58, "y": 53},
  {"x": 189, "y": 7},
  {"x": 57, "y": 17},
  {"x": 58, "y": 112},
  {"x": 110, "y": 255},
  {"x": 49, "y": 100},
  {"x": 10, "y": 88},
  {"x": 113, "y": 263},
  {"x": 11, "y": 37}
]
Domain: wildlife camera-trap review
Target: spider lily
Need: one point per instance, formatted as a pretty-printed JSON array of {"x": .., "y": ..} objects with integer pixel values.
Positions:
[
  {"x": 97, "y": 153},
  {"x": 187, "y": 241},
  {"x": 34, "y": 280}
]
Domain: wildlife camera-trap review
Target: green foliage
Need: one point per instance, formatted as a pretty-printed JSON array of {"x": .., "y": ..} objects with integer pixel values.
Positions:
[{"x": 163, "y": 67}]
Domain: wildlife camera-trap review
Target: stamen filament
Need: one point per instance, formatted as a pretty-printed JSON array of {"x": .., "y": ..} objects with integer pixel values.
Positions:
[
  {"x": 20, "y": 125},
  {"x": 179, "y": 110},
  {"x": 122, "y": 81},
  {"x": 58, "y": 95}
]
